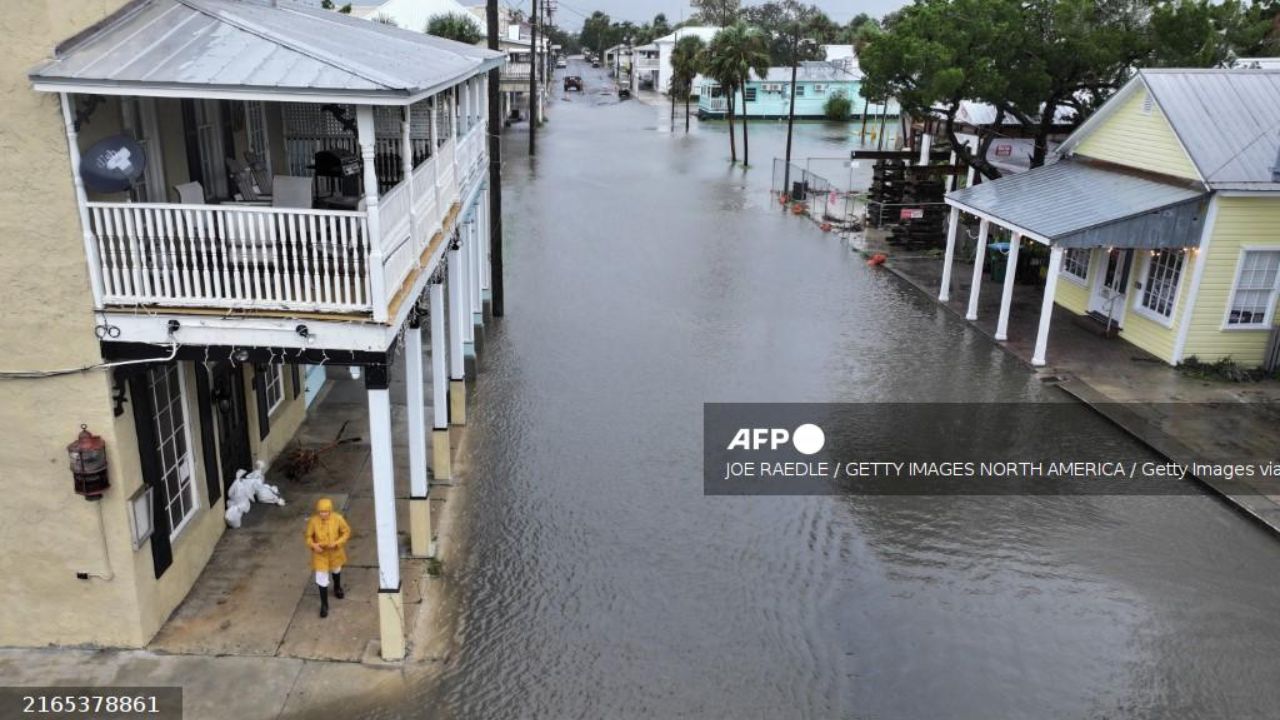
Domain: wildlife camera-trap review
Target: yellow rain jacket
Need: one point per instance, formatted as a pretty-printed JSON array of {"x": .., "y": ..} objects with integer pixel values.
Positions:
[{"x": 333, "y": 531}]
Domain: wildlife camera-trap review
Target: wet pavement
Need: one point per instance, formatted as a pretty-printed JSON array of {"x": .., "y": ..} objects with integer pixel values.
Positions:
[{"x": 646, "y": 276}]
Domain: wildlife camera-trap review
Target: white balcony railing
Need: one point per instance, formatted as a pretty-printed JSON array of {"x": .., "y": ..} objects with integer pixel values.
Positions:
[{"x": 280, "y": 259}]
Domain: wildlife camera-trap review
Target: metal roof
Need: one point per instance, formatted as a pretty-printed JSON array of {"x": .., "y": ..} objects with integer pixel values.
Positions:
[
  {"x": 1076, "y": 204},
  {"x": 810, "y": 70},
  {"x": 1228, "y": 121},
  {"x": 232, "y": 48}
]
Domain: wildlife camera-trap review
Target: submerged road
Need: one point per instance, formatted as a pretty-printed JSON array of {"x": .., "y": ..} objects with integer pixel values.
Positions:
[{"x": 646, "y": 276}]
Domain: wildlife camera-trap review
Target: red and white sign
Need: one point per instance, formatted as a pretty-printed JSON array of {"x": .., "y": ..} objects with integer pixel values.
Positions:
[
  {"x": 911, "y": 214},
  {"x": 1004, "y": 150}
]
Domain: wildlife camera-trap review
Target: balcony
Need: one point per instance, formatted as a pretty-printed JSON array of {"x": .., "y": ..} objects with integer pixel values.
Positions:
[{"x": 234, "y": 256}]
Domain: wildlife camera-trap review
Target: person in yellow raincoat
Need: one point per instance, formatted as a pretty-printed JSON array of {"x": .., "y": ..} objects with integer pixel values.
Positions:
[{"x": 327, "y": 536}]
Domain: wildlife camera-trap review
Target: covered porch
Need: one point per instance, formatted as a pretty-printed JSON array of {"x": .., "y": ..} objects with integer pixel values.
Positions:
[{"x": 1075, "y": 208}]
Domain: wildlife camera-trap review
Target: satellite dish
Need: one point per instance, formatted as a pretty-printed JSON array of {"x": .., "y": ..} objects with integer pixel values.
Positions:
[{"x": 113, "y": 164}]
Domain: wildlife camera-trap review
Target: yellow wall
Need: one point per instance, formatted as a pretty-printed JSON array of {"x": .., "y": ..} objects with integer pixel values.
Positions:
[
  {"x": 1073, "y": 295},
  {"x": 1241, "y": 222},
  {"x": 1142, "y": 140}
]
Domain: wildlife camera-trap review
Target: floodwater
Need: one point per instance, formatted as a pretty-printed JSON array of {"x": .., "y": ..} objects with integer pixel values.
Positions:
[{"x": 646, "y": 276}]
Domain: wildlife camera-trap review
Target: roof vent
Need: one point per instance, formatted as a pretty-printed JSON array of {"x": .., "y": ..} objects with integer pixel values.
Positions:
[{"x": 1148, "y": 103}]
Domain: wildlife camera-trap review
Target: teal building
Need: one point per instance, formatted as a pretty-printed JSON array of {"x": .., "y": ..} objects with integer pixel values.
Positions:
[{"x": 770, "y": 96}]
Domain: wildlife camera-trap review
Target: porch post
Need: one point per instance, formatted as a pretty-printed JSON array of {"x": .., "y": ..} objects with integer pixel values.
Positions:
[
  {"x": 1006, "y": 294},
  {"x": 390, "y": 604},
  {"x": 1046, "y": 305},
  {"x": 441, "y": 460},
  {"x": 944, "y": 293},
  {"x": 477, "y": 301},
  {"x": 86, "y": 228},
  {"x": 979, "y": 258},
  {"x": 419, "y": 505},
  {"x": 406, "y": 164},
  {"x": 457, "y": 361},
  {"x": 486, "y": 277},
  {"x": 465, "y": 125},
  {"x": 464, "y": 289},
  {"x": 925, "y": 141},
  {"x": 377, "y": 279}
]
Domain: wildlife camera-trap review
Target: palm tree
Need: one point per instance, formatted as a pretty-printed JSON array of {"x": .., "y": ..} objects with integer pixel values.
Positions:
[
  {"x": 718, "y": 66},
  {"x": 685, "y": 59},
  {"x": 735, "y": 53}
]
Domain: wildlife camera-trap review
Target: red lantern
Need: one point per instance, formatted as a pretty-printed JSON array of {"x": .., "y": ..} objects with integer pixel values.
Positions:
[{"x": 88, "y": 456}]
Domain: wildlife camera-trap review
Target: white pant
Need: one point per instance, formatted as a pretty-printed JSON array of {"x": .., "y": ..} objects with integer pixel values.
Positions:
[{"x": 322, "y": 577}]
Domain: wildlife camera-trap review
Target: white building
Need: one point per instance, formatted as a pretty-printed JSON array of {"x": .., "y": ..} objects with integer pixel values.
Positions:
[
  {"x": 667, "y": 43},
  {"x": 411, "y": 14}
]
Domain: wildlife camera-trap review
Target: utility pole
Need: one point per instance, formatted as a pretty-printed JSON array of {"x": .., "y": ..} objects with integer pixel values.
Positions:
[
  {"x": 533, "y": 78},
  {"x": 495, "y": 165}
]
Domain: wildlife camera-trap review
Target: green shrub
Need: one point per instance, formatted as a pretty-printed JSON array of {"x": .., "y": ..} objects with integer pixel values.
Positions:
[
  {"x": 1224, "y": 369},
  {"x": 838, "y": 106}
]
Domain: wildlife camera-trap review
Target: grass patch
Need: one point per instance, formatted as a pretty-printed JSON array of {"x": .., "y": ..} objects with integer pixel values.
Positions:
[{"x": 1224, "y": 370}]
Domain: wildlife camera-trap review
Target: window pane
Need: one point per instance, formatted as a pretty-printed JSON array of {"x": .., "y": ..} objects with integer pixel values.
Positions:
[
  {"x": 1255, "y": 289},
  {"x": 1161, "y": 288}
]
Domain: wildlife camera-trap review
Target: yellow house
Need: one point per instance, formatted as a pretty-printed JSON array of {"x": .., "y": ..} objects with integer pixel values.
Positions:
[
  {"x": 203, "y": 200},
  {"x": 1162, "y": 216}
]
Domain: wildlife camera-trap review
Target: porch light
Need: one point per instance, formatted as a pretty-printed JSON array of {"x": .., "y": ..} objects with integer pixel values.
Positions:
[{"x": 88, "y": 457}]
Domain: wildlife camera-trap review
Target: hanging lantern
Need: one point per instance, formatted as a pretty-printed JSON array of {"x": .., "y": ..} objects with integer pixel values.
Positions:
[{"x": 88, "y": 455}]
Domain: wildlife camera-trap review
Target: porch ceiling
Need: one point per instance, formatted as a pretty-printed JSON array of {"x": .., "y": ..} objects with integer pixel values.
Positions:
[
  {"x": 1075, "y": 204},
  {"x": 233, "y": 48}
]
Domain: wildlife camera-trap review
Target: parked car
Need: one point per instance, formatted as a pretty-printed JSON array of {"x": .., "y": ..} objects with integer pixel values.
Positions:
[
  {"x": 595, "y": 63},
  {"x": 572, "y": 82},
  {"x": 624, "y": 92},
  {"x": 562, "y": 63}
]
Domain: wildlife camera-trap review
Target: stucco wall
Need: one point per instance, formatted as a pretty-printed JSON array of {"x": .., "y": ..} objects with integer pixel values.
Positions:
[{"x": 48, "y": 323}]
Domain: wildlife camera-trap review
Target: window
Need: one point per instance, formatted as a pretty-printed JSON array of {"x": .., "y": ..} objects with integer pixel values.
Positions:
[
  {"x": 275, "y": 386},
  {"x": 749, "y": 94},
  {"x": 799, "y": 91},
  {"x": 170, "y": 416},
  {"x": 1075, "y": 263},
  {"x": 1164, "y": 270},
  {"x": 1255, "y": 290}
]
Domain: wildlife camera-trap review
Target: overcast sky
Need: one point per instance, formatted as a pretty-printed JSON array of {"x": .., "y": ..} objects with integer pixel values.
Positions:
[{"x": 571, "y": 14}]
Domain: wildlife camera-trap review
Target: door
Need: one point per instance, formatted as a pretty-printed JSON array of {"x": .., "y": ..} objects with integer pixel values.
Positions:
[
  {"x": 231, "y": 418},
  {"x": 1107, "y": 296}
]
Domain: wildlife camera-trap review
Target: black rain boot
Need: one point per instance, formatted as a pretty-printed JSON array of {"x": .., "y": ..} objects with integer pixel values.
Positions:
[
  {"x": 324, "y": 602},
  {"x": 337, "y": 586}
]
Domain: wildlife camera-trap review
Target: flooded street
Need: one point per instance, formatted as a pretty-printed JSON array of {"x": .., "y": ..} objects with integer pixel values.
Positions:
[{"x": 646, "y": 276}]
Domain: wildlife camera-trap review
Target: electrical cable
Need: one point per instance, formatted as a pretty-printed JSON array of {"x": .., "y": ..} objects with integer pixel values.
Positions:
[{"x": 39, "y": 374}]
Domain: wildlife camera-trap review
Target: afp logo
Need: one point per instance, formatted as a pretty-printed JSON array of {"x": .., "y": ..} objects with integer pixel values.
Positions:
[{"x": 807, "y": 439}]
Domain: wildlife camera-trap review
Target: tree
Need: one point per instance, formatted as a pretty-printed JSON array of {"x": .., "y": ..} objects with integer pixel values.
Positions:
[
  {"x": 659, "y": 27},
  {"x": 596, "y": 32},
  {"x": 734, "y": 54},
  {"x": 785, "y": 23},
  {"x": 838, "y": 106},
  {"x": 459, "y": 27},
  {"x": 685, "y": 58},
  {"x": 721, "y": 13}
]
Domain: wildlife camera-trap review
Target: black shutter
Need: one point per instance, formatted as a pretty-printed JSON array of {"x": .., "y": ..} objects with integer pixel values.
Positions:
[
  {"x": 212, "y": 476},
  {"x": 264, "y": 408},
  {"x": 149, "y": 457},
  {"x": 296, "y": 377},
  {"x": 192, "y": 143}
]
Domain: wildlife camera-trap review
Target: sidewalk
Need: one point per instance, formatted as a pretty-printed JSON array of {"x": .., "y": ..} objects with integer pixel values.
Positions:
[
  {"x": 248, "y": 642},
  {"x": 1184, "y": 418}
]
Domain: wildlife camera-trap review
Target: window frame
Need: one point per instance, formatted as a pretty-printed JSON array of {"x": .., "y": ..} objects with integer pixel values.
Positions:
[
  {"x": 188, "y": 457},
  {"x": 1269, "y": 316},
  {"x": 749, "y": 94},
  {"x": 274, "y": 379},
  {"x": 1088, "y": 266},
  {"x": 1141, "y": 292}
]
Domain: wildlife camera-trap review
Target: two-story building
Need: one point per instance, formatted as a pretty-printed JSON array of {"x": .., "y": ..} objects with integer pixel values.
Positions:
[
  {"x": 1162, "y": 218},
  {"x": 201, "y": 199}
]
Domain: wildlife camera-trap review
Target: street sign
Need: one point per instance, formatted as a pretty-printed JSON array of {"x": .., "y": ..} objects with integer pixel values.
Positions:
[{"x": 911, "y": 213}]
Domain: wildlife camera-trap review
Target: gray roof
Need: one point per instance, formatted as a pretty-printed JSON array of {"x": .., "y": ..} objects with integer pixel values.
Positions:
[
  {"x": 1073, "y": 203},
  {"x": 811, "y": 71},
  {"x": 1228, "y": 120},
  {"x": 237, "y": 47}
]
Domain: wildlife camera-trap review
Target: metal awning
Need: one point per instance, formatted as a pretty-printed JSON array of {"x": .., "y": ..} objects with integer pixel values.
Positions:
[
  {"x": 1076, "y": 204},
  {"x": 256, "y": 50}
]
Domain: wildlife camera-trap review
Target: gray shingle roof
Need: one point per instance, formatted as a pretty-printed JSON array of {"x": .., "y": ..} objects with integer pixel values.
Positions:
[{"x": 235, "y": 46}]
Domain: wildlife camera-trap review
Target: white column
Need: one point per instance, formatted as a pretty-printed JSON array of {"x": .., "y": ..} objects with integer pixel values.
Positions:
[
  {"x": 1046, "y": 305},
  {"x": 486, "y": 267},
  {"x": 464, "y": 290},
  {"x": 477, "y": 300},
  {"x": 968, "y": 178},
  {"x": 441, "y": 459},
  {"x": 1006, "y": 295},
  {"x": 944, "y": 293},
  {"x": 406, "y": 164},
  {"x": 415, "y": 398},
  {"x": 926, "y": 140},
  {"x": 390, "y": 607},
  {"x": 377, "y": 278},
  {"x": 456, "y": 107},
  {"x": 979, "y": 257},
  {"x": 86, "y": 228},
  {"x": 457, "y": 359}
]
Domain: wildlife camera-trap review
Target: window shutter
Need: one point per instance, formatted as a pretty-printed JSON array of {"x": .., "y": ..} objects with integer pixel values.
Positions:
[
  {"x": 296, "y": 376},
  {"x": 212, "y": 475},
  {"x": 264, "y": 407},
  {"x": 149, "y": 458}
]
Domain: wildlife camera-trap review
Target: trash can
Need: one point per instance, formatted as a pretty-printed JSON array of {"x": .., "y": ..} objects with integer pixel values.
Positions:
[{"x": 998, "y": 260}]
